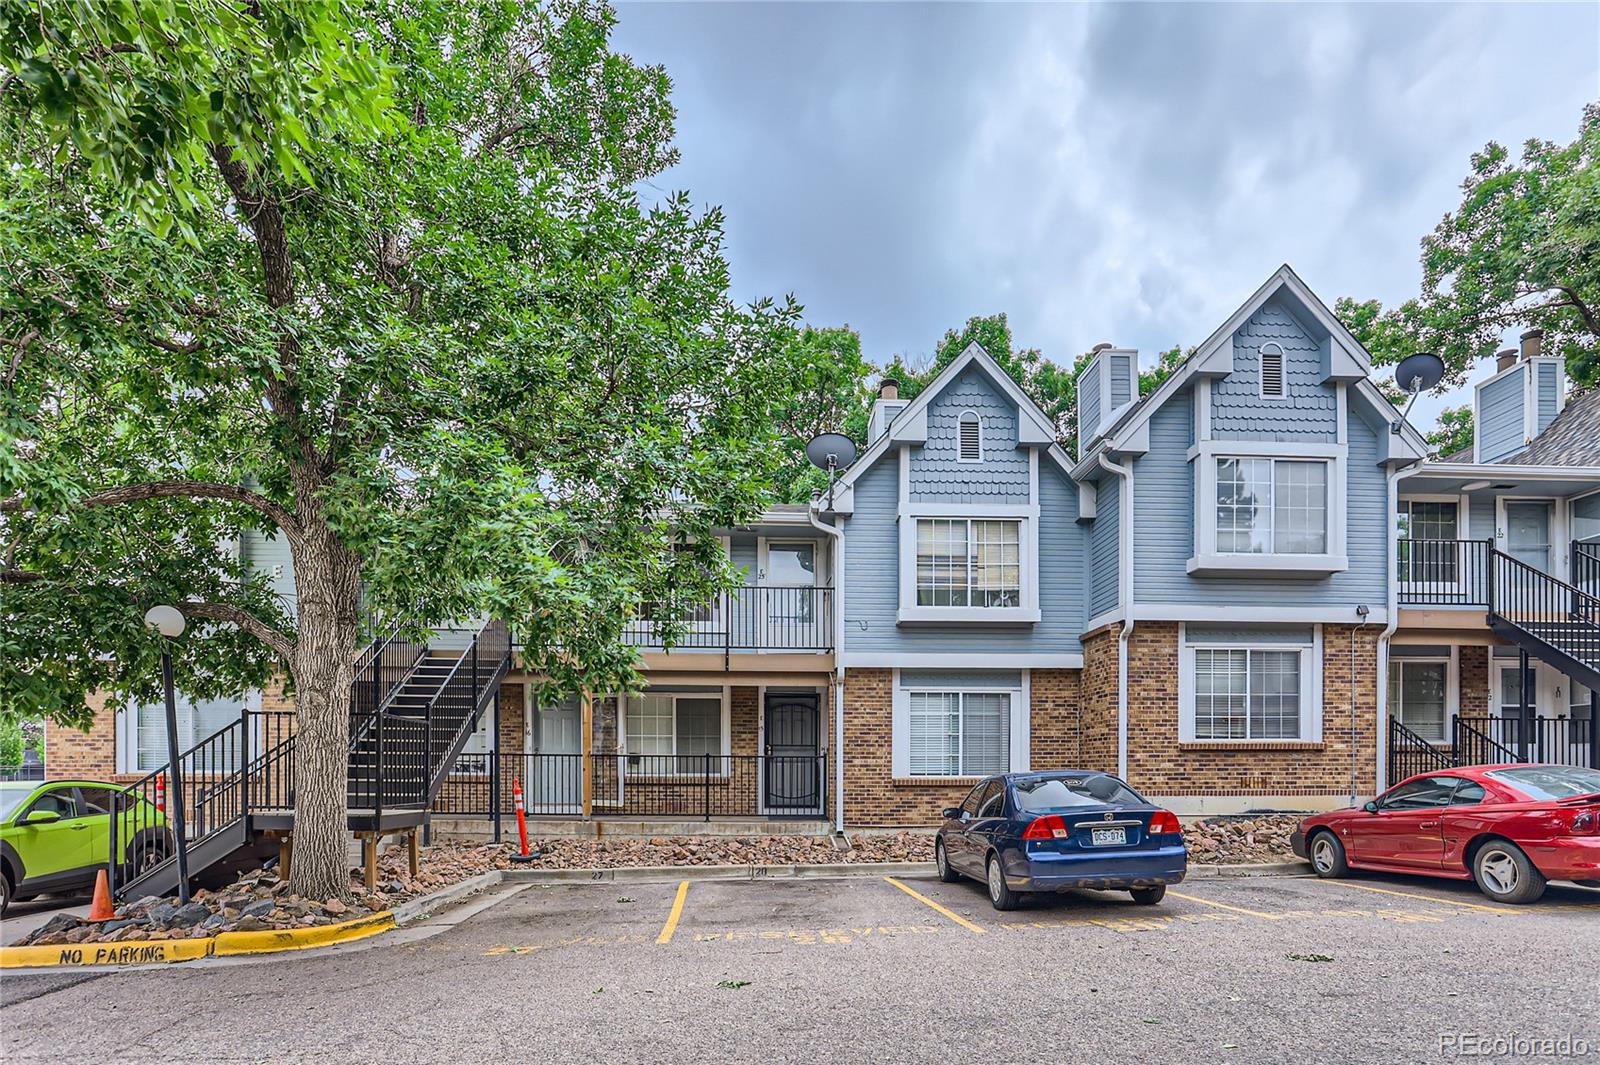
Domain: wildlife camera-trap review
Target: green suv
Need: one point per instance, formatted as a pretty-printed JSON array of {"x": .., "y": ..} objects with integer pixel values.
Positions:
[{"x": 55, "y": 836}]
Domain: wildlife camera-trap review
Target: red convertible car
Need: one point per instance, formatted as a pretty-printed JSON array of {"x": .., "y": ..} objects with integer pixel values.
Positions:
[{"x": 1508, "y": 827}]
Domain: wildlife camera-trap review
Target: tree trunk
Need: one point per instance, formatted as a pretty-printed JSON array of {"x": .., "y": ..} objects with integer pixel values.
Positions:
[{"x": 327, "y": 582}]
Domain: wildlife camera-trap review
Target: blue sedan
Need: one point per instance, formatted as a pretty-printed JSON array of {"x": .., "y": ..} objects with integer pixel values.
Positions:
[{"x": 1055, "y": 831}]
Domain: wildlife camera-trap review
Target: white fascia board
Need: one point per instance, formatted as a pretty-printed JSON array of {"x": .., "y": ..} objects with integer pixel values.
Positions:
[
  {"x": 1503, "y": 472},
  {"x": 910, "y": 427},
  {"x": 1259, "y": 615},
  {"x": 1409, "y": 445},
  {"x": 927, "y": 660},
  {"x": 1088, "y": 499}
]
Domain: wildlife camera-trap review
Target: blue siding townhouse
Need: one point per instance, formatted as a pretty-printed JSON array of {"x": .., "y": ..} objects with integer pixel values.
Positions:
[{"x": 1249, "y": 589}]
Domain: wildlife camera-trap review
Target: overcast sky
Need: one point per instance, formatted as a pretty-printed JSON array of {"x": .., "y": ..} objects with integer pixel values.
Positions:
[{"x": 1128, "y": 173}]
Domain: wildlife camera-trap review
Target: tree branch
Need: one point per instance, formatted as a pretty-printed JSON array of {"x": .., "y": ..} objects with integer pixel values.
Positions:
[
  {"x": 237, "y": 615},
  {"x": 1583, "y": 310},
  {"x": 133, "y": 493}
]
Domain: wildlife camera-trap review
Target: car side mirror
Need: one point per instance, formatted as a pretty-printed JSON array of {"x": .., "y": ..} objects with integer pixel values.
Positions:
[
  {"x": 953, "y": 813},
  {"x": 42, "y": 817},
  {"x": 1371, "y": 807}
]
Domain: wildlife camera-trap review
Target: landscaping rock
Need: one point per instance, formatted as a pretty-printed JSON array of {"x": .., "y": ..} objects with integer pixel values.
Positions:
[
  {"x": 163, "y": 915},
  {"x": 259, "y": 908},
  {"x": 60, "y": 924},
  {"x": 1250, "y": 839},
  {"x": 191, "y": 914}
]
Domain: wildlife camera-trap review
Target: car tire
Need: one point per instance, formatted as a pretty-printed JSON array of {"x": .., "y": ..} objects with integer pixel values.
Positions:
[
  {"x": 1000, "y": 894},
  {"x": 5, "y": 892},
  {"x": 1326, "y": 854},
  {"x": 1504, "y": 873},
  {"x": 1148, "y": 896},
  {"x": 941, "y": 862}
]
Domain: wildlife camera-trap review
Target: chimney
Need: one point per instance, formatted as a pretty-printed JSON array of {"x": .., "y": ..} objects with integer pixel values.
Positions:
[
  {"x": 888, "y": 388},
  {"x": 884, "y": 408},
  {"x": 1505, "y": 359},
  {"x": 1102, "y": 346},
  {"x": 1532, "y": 343}
]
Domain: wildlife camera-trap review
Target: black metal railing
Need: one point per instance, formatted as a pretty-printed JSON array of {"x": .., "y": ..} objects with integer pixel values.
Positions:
[
  {"x": 1410, "y": 754},
  {"x": 1562, "y": 739},
  {"x": 709, "y": 785},
  {"x": 753, "y": 618},
  {"x": 1586, "y": 566},
  {"x": 1560, "y": 617},
  {"x": 380, "y": 671},
  {"x": 1443, "y": 572},
  {"x": 484, "y": 786},
  {"x": 1478, "y": 741},
  {"x": 215, "y": 775}
]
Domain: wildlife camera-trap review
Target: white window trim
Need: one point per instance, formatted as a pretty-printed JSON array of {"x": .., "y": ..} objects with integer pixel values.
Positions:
[
  {"x": 1310, "y": 686},
  {"x": 1261, "y": 376},
  {"x": 961, "y": 418},
  {"x": 1452, "y": 688},
  {"x": 1207, "y": 559},
  {"x": 900, "y": 727},
  {"x": 127, "y": 733},
  {"x": 1027, "y": 609},
  {"x": 1462, "y": 534},
  {"x": 721, "y": 694}
]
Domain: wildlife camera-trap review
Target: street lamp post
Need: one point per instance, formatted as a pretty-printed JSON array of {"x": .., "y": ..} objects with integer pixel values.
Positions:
[{"x": 169, "y": 623}]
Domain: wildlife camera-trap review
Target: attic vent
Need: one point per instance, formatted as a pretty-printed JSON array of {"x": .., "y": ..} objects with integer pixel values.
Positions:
[
  {"x": 1272, "y": 371},
  {"x": 971, "y": 444}
]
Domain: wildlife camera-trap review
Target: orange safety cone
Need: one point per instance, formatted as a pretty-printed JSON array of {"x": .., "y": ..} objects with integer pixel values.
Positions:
[
  {"x": 161, "y": 792},
  {"x": 522, "y": 824},
  {"x": 102, "y": 910}
]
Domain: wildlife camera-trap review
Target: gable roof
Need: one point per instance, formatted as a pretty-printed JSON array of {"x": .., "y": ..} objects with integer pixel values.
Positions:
[
  {"x": 1572, "y": 439},
  {"x": 1347, "y": 361},
  {"x": 910, "y": 424}
]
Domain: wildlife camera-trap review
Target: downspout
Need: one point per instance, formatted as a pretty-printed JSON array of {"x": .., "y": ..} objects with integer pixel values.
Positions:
[
  {"x": 1125, "y": 593},
  {"x": 1391, "y": 622},
  {"x": 836, "y": 531}
]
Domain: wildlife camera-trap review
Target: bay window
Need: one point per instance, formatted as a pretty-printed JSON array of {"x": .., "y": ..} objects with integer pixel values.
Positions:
[
  {"x": 969, "y": 562},
  {"x": 1272, "y": 506}
]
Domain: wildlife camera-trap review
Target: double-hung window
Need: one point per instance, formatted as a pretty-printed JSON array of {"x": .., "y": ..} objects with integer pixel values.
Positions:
[
  {"x": 969, "y": 562},
  {"x": 958, "y": 733},
  {"x": 1272, "y": 506},
  {"x": 1249, "y": 692},
  {"x": 1418, "y": 696},
  {"x": 1427, "y": 550},
  {"x": 147, "y": 746},
  {"x": 674, "y": 733}
]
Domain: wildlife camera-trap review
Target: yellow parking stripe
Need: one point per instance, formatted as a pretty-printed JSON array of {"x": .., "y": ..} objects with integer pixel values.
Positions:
[
  {"x": 1224, "y": 906},
  {"x": 920, "y": 897},
  {"x": 672, "y": 918},
  {"x": 1427, "y": 898}
]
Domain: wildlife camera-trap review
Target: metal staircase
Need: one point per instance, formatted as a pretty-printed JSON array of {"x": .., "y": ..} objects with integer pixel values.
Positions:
[
  {"x": 1548, "y": 618},
  {"x": 412, "y": 709}
]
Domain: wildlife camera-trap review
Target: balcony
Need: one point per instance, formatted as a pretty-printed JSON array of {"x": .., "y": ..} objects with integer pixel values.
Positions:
[
  {"x": 753, "y": 618},
  {"x": 1443, "y": 572}
]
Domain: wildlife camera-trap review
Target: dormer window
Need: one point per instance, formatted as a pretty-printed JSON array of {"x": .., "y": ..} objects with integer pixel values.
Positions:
[
  {"x": 970, "y": 438},
  {"x": 1271, "y": 371}
]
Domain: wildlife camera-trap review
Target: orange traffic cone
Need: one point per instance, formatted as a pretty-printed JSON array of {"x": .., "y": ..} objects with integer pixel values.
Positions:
[{"x": 102, "y": 909}]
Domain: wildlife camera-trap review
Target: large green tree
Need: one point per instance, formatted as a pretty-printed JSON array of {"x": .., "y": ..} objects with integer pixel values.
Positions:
[
  {"x": 1521, "y": 251},
  {"x": 828, "y": 391},
  {"x": 372, "y": 278}
]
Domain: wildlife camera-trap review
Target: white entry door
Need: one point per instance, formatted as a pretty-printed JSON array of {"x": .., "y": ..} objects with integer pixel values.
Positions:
[
  {"x": 557, "y": 776},
  {"x": 788, "y": 590}
]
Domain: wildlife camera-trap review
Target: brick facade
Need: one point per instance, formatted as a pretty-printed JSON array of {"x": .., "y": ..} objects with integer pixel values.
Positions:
[
  {"x": 1473, "y": 690},
  {"x": 1055, "y": 737},
  {"x": 92, "y": 753},
  {"x": 1159, "y": 765},
  {"x": 1100, "y": 701}
]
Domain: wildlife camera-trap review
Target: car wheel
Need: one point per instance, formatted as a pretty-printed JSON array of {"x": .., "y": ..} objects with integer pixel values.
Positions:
[
  {"x": 5, "y": 892},
  {"x": 941, "y": 862},
  {"x": 1148, "y": 896},
  {"x": 1327, "y": 856},
  {"x": 1000, "y": 893},
  {"x": 1504, "y": 873}
]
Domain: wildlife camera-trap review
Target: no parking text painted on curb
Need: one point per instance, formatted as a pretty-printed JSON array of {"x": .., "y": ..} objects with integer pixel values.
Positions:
[{"x": 165, "y": 951}]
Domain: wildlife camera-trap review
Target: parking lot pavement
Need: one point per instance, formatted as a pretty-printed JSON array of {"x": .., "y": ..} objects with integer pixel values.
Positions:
[
  {"x": 24, "y": 917},
  {"x": 876, "y": 969}
]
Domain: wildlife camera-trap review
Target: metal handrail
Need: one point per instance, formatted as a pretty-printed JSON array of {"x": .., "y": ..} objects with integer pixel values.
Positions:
[
  {"x": 1442, "y": 572},
  {"x": 1473, "y": 746},
  {"x": 760, "y": 617}
]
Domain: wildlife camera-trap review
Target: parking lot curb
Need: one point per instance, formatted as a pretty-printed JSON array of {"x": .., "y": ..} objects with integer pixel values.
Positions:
[
  {"x": 1202, "y": 872},
  {"x": 169, "y": 951},
  {"x": 417, "y": 909},
  {"x": 641, "y": 873}
]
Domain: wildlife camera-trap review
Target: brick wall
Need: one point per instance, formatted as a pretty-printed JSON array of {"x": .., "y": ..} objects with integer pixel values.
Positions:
[
  {"x": 91, "y": 753},
  {"x": 1159, "y": 764},
  {"x": 1055, "y": 738},
  {"x": 1099, "y": 712},
  {"x": 1473, "y": 695}
]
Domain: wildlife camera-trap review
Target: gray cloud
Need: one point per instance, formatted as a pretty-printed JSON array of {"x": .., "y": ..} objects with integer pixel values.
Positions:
[{"x": 1116, "y": 172}]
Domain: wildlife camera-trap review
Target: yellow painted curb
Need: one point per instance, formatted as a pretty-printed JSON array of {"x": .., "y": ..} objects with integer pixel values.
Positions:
[{"x": 160, "y": 951}]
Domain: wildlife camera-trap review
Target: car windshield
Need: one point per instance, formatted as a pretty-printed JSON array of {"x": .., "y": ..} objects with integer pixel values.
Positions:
[
  {"x": 1039, "y": 795},
  {"x": 12, "y": 796},
  {"x": 1550, "y": 781}
]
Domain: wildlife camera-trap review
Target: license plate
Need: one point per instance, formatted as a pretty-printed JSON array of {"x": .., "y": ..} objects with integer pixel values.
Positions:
[{"x": 1109, "y": 837}]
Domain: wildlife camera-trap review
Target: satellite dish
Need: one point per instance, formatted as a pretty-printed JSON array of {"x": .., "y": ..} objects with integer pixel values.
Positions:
[
  {"x": 1419, "y": 372},
  {"x": 830, "y": 451},
  {"x": 1416, "y": 374}
]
